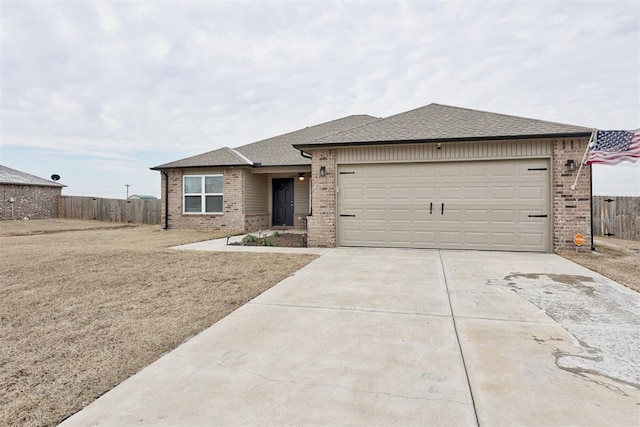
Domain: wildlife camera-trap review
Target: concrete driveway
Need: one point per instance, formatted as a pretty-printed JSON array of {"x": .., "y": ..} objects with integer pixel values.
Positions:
[{"x": 404, "y": 337}]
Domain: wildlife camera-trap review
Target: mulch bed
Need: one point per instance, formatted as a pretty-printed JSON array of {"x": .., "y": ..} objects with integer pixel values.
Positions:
[{"x": 283, "y": 240}]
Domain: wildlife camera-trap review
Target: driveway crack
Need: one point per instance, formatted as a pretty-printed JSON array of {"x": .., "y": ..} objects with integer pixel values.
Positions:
[{"x": 455, "y": 328}]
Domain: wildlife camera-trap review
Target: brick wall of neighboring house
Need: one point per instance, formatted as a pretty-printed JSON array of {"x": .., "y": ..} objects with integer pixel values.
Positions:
[
  {"x": 32, "y": 201},
  {"x": 233, "y": 217},
  {"x": 321, "y": 224},
  {"x": 571, "y": 208}
]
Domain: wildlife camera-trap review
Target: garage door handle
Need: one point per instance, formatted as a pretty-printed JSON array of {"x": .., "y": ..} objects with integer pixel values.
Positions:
[
  {"x": 430, "y": 208},
  {"x": 350, "y": 216},
  {"x": 442, "y": 210},
  {"x": 537, "y": 216}
]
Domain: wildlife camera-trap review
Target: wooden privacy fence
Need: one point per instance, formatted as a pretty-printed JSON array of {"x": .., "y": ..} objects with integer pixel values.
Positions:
[
  {"x": 617, "y": 217},
  {"x": 111, "y": 210}
]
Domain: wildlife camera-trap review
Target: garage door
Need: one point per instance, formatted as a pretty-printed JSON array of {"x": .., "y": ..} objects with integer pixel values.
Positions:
[{"x": 490, "y": 205}]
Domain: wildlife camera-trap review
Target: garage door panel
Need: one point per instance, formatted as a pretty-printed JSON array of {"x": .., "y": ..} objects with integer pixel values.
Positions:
[
  {"x": 375, "y": 214},
  {"x": 424, "y": 238},
  {"x": 486, "y": 205},
  {"x": 476, "y": 239},
  {"x": 400, "y": 194},
  {"x": 353, "y": 194},
  {"x": 376, "y": 239},
  {"x": 425, "y": 194},
  {"x": 532, "y": 194},
  {"x": 380, "y": 194},
  {"x": 502, "y": 193},
  {"x": 399, "y": 237},
  {"x": 476, "y": 193},
  {"x": 477, "y": 216}
]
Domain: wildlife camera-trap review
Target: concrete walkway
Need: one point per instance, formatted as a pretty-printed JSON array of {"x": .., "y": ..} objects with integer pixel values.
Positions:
[
  {"x": 222, "y": 245},
  {"x": 404, "y": 337}
]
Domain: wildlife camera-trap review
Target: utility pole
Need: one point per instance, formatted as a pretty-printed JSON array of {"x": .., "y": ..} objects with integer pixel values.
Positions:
[{"x": 127, "y": 185}]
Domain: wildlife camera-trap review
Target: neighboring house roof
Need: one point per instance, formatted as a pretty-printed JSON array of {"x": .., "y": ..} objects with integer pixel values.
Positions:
[
  {"x": 442, "y": 122},
  {"x": 276, "y": 151},
  {"x": 16, "y": 177},
  {"x": 142, "y": 197}
]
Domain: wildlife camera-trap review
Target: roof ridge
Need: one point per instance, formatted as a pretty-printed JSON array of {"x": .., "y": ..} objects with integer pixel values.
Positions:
[
  {"x": 242, "y": 156},
  {"x": 499, "y": 114},
  {"x": 307, "y": 127},
  {"x": 437, "y": 121}
]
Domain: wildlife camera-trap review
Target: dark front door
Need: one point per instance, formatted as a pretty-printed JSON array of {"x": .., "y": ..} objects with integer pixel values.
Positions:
[{"x": 283, "y": 201}]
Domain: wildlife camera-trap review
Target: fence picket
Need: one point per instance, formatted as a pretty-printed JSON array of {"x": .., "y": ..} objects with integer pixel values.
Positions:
[
  {"x": 620, "y": 217},
  {"x": 110, "y": 210}
]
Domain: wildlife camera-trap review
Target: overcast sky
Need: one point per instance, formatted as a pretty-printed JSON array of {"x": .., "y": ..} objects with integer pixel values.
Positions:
[{"x": 99, "y": 92}]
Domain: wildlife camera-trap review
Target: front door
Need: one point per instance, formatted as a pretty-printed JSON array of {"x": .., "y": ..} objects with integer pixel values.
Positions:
[{"x": 283, "y": 202}]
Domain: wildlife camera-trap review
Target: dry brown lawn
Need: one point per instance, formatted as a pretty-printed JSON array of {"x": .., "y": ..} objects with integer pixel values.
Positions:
[
  {"x": 616, "y": 259},
  {"x": 80, "y": 311}
]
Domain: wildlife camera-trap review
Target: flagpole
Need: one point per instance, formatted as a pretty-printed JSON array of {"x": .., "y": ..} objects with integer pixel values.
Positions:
[{"x": 586, "y": 151}]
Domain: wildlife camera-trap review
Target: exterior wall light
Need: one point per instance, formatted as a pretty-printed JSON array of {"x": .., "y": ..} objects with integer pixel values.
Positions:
[
  {"x": 323, "y": 170},
  {"x": 571, "y": 164},
  {"x": 301, "y": 176}
]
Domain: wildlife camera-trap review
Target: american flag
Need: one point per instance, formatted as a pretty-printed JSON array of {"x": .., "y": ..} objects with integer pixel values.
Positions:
[{"x": 614, "y": 146}]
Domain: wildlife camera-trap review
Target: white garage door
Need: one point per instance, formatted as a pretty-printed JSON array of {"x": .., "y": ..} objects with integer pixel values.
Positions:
[{"x": 491, "y": 205}]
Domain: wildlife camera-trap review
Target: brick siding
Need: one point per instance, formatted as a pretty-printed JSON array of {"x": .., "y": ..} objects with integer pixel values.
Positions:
[
  {"x": 32, "y": 201},
  {"x": 256, "y": 222},
  {"x": 321, "y": 224},
  {"x": 571, "y": 208},
  {"x": 233, "y": 217}
]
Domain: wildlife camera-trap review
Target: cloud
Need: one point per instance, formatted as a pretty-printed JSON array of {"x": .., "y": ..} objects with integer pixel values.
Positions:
[{"x": 120, "y": 80}]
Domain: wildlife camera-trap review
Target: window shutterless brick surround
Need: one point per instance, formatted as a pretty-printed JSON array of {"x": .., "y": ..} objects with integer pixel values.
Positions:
[
  {"x": 233, "y": 218},
  {"x": 571, "y": 209}
]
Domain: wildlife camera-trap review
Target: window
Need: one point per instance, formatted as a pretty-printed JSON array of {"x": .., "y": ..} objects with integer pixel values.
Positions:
[{"x": 203, "y": 194}]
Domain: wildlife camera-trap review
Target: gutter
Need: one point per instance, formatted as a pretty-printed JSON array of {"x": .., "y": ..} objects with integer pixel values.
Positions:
[
  {"x": 304, "y": 154},
  {"x": 163, "y": 167},
  {"x": 440, "y": 140}
]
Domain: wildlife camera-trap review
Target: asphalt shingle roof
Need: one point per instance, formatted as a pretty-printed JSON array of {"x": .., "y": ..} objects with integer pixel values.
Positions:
[
  {"x": 276, "y": 151},
  {"x": 433, "y": 122},
  {"x": 16, "y": 177},
  {"x": 443, "y": 122},
  {"x": 221, "y": 157}
]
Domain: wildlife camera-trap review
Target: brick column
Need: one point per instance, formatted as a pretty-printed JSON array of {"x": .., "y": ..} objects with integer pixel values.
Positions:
[
  {"x": 571, "y": 208},
  {"x": 321, "y": 225}
]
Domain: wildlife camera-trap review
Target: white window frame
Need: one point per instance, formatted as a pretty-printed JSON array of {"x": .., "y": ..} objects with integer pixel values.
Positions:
[{"x": 203, "y": 195}]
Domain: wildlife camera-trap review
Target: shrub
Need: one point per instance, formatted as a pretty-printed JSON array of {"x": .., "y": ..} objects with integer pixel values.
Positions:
[{"x": 249, "y": 239}]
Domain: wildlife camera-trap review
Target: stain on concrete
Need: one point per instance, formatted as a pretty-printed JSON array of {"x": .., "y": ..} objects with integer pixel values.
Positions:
[{"x": 603, "y": 320}]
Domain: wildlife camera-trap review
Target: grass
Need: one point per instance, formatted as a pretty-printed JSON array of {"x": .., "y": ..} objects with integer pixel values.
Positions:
[
  {"x": 616, "y": 259},
  {"x": 83, "y": 310}
]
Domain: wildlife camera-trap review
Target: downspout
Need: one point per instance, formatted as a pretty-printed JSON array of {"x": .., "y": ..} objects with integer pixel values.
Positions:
[
  {"x": 593, "y": 246},
  {"x": 308, "y": 156},
  {"x": 166, "y": 199}
]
